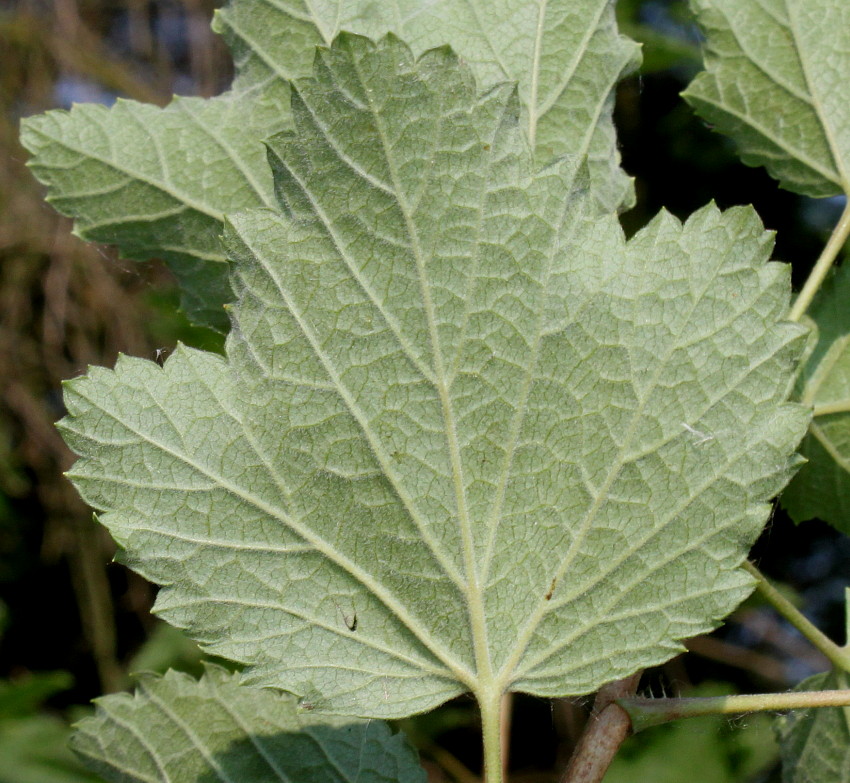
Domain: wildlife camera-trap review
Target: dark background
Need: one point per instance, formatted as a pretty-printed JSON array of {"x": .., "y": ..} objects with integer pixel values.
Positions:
[{"x": 73, "y": 625}]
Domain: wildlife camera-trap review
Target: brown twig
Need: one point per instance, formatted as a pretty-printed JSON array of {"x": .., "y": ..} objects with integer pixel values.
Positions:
[{"x": 608, "y": 726}]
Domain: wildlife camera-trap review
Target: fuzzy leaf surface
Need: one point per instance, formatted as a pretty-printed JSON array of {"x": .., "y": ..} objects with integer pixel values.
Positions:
[
  {"x": 822, "y": 487},
  {"x": 465, "y": 438},
  {"x": 157, "y": 182},
  {"x": 176, "y": 728},
  {"x": 565, "y": 55},
  {"x": 776, "y": 81}
]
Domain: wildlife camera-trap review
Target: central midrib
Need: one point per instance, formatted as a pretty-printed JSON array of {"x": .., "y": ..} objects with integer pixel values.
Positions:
[{"x": 475, "y": 603}]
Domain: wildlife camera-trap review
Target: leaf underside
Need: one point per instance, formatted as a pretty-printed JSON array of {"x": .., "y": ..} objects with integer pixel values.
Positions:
[
  {"x": 157, "y": 182},
  {"x": 465, "y": 438},
  {"x": 566, "y": 57},
  {"x": 776, "y": 82},
  {"x": 822, "y": 487},
  {"x": 176, "y": 728}
]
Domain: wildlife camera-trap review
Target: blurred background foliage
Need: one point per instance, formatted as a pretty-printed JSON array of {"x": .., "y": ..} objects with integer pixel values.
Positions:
[{"x": 73, "y": 625}]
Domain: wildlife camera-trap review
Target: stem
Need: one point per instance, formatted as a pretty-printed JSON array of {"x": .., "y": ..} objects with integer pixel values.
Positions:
[
  {"x": 606, "y": 729},
  {"x": 87, "y": 561},
  {"x": 505, "y": 730},
  {"x": 838, "y": 656},
  {"x": 827, "y": 409},
  {"x": 491, "y": 728},
  {"x": 645, "y": 713},
  {"x": 823, "y": 265}
]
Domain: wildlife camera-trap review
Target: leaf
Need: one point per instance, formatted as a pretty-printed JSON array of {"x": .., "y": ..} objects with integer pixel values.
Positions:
[
  {"x": 822, "y": 487},
  {"x": 465, "y": 438},
  {"x": 815, "y": 743},
  {"x": 34, "y": 749},
  {"x": 157, "y": 182},
  {"x": 566, "y": 56},
  {"x": 775, "y": 82},
  {"x": 24, "y": 695},
  {"x": 176, "y": 728},
  {"x": 666, "y": 36},
  {"x": 34, "y": 746}
]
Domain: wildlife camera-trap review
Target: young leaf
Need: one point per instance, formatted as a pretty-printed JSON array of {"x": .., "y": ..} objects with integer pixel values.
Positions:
[
  {"x": 466, "y": 438},
  {"x": 822, "y": 487},
  {"x": 157, "y": 182},
  {"x": 176, "y": 728},
  {"x": 775, "y": 82}
]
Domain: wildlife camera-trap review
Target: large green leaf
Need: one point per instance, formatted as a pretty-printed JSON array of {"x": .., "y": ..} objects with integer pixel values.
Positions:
[
  {"x": 776, "y": 81},
  {"x": 465, "y": 436},
  {"x": 176, "y": 728},
  {"x": 822, "y": 487},
  {"x": 157, "y": 182}
]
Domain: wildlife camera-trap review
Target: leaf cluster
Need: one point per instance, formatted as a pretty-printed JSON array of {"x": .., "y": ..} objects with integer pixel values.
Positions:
[{"x": 464, "y": 437}]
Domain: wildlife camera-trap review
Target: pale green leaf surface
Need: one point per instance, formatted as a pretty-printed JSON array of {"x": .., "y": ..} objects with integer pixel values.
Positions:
[
  {"x": 815, "y": 743},
  {"x": 176, "y": 729},
  {"x": 157, "y": 182},
  {"x": 776, "y": 81},
  {"x": 465, "y": 436},
  {"x": 822, "y": 487},
  {"x": 565, "y": 55}
]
